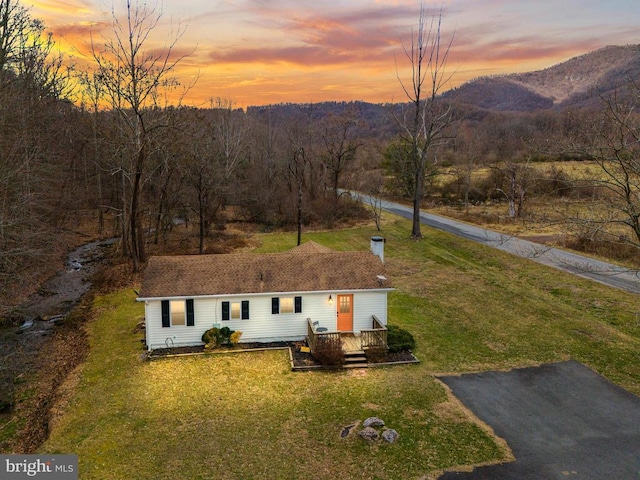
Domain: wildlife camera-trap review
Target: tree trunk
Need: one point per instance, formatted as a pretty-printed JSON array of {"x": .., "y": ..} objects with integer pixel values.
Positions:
[
  {"x": 136, "y": 254},
  {"x": 520, "y": 210},
  {"x": 336, "y": 180},
  {"x": 299, "y": 213},
  {"x": 417, "y": 203},
  {"x": 201, "y": 221},
  {"x": 156, "y": 234},
  {"x": 124, "y": 221},
  {"x": 137, "y": 236},
  {"x": 100, "y": 212},
  {"x": 467, "y": 187},
  {"x": 512, "y": 193}
]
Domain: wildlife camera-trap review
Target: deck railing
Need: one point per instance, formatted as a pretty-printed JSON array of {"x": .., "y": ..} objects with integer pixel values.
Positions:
[
  {"x": 315, "y": 338},
  {"x": 376, "y": 336}
]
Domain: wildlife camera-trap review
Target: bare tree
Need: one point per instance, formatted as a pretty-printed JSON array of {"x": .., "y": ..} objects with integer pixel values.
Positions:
[
  {"x": 340, "y": 147},
  {"x": 92, "y": 94},
  {"x": 297, "y": 167},
  {"x": 424, "y": 122},
  {"x": 230, "y": 131},
  {"x": 511, "y": 160},
  {"x": 218, "y": 152},
  {"x": 200, "y": 176},
  {"x": 611, "y": 139},
  {"x": 261, "y": 195},
  {"x": 517, "y": 176},
  {"x": 27, "y": 54},
  {"x": 468, "y": 152},
  {"x": 299, "y": 157},
  {"x": 37, "y": 149},
  {"x": 16, "y": 26},
  {"x": 135, "y": 75},
  {"x": 373, "y": 186}
]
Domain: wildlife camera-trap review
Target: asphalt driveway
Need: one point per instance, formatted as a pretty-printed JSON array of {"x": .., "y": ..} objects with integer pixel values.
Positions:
[{"x": 561, "y": 420}]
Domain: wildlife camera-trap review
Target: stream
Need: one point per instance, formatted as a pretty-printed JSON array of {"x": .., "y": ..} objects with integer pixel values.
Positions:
[
  {"x": 61, "y": 293},
  {"x": 32, "y": 323}
]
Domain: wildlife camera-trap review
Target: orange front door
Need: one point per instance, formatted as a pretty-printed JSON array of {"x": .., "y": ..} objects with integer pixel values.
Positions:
[{"x": 345, "y": 313}]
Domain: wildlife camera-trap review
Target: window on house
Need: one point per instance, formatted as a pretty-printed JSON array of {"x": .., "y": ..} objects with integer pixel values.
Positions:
[
  {"x": 177, "y": 313},
  {"x": 286, "y": 305},
  {"x": 235, "y": 310}
]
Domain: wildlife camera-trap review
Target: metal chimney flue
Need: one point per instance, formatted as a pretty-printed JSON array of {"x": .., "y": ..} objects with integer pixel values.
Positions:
[{"x": 377, "y": 246}]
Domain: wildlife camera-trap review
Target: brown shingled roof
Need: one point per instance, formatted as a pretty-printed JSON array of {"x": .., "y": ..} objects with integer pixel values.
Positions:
[
  {"x": 309, "y": 267},
  {"x": 310, "y": 247}
]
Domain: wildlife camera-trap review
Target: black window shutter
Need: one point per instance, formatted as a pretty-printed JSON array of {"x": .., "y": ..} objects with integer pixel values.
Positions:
[
  {"x": 297, "y": 304},
  {"x": 225, "y": 310},
  {"x": 191, "y": 321},
  {"x": 166, "y": 319},
  {"x": 275, "y": 305},
  {"x": 245, "y": 310}
]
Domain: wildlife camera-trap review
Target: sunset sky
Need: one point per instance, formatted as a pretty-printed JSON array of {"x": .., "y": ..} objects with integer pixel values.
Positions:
[{"x": 257, "y": 52}]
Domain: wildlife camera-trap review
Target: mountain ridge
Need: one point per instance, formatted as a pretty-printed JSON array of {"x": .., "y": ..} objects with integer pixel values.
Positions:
[
  {"x": 574, "y": 83},
  {"x": 569, "y": 83}
]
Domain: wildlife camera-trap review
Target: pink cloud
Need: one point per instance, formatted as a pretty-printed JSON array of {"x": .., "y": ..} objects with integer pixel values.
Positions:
[
  {"x": 303, "y": 49},
  {"x": 357, "y": 37}
]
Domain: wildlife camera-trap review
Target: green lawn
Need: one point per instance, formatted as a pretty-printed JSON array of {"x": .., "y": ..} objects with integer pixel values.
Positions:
[{"x": 248, "y": 416}]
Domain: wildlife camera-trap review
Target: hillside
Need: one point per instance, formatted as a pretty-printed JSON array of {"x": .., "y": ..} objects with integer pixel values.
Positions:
[
  {"x": 570, "y": 83},
  {"x": 573, "y": 83},
  {"x": 500, "y": 93},
  {"x": 374, "y": 120},
  {"x": 567, "y": 84}
]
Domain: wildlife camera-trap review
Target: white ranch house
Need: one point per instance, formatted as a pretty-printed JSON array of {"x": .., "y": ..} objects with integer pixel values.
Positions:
[{"x": 287, "y": 296}]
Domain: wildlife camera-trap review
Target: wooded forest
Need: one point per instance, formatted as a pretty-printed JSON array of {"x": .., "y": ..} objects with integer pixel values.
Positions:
[{"x": 102, "y": 153}]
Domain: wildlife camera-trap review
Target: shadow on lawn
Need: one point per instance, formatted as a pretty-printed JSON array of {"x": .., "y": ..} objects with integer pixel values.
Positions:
[{"x": 299, "y": 359}]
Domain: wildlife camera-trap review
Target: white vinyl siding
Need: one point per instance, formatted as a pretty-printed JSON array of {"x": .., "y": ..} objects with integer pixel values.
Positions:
[
  {"x": 262, "y": 325},
  {"x": 176, "y": 335},
  {"x": 367, "y": 304}
]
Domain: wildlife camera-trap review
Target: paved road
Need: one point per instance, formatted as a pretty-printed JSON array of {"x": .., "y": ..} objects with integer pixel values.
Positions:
[
  {"x": 561, "y": 420},
  {"x": 603, "y": 272}
]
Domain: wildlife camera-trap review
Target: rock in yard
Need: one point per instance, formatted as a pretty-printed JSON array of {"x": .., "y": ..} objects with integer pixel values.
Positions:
[
  {"x": 390, "y": 435},
  {"x": 369, "y": 434},
  {"x": 373, "y": 422},
  {"x": 346, "y": 430}
]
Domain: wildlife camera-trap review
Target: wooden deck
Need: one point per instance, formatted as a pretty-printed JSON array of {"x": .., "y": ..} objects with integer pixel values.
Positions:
[{"x": 350, "y": 343}]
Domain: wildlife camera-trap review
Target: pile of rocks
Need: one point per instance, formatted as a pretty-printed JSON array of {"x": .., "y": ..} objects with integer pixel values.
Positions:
[{"x": 374, "y": 429}]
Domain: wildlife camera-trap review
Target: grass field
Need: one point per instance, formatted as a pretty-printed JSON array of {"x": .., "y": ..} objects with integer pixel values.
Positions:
[
  {"x": 543, "y": 213},
  {"x": 246, "y": 416}
]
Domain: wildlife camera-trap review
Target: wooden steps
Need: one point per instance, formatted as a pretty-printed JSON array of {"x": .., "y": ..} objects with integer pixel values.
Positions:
[{"x": 355, "y": 359}]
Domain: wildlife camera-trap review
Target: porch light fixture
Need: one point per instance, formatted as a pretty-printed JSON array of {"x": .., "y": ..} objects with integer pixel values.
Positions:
[{"x": 330, "y": 300}]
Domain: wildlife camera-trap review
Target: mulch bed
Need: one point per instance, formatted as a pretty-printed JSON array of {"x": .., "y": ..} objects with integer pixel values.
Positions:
[
  {"x": 168, "y": 352},
  {"x": 303, "y": 359}
]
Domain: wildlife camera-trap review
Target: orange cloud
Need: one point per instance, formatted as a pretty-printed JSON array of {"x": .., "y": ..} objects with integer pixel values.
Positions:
[
  {"x": 265, "y": 51},
  {"x": 303, "y": 56},
  {"x": 79, "y": 34},
  {"x": 55, "y": 7},
  {"x": 357, "y": 37}
]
